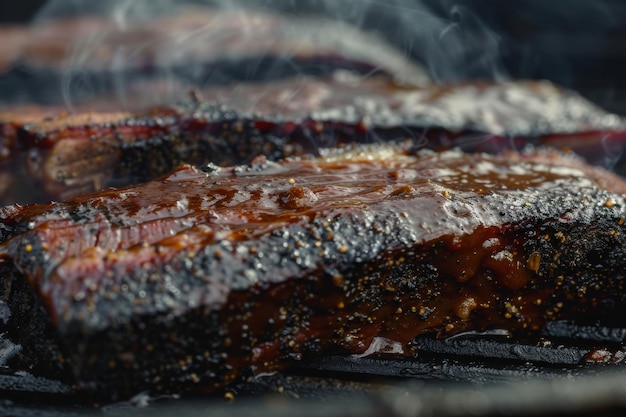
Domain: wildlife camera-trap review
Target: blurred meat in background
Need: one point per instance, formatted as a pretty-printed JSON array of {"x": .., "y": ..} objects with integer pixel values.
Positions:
[
  {"x": 577, "y": 44},
  {"x": 384, "y": 71}
]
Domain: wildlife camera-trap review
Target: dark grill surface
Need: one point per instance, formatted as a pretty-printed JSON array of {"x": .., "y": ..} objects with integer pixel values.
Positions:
[{"x": 569, "y": 370}]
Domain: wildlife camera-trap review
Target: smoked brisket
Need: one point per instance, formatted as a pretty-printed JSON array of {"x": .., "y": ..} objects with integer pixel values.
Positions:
[
  {"x": 67, "y": 60},
  {"x": 207, "y": 275},
  {"x": 66, "y": 155}
]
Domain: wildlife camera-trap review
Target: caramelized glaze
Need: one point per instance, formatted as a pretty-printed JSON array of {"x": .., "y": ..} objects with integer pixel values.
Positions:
[
  {"x": 71, "y": 154},
  {"x": 202, "y": 276}
]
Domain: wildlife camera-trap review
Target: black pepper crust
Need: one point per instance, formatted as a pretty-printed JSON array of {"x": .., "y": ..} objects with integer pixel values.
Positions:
[
  {"x": 206, "y": 277},
  {"x": 65, "y": 155}
]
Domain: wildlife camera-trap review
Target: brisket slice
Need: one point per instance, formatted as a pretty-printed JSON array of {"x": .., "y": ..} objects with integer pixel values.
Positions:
[
  {"x": 72, "y": 154},
  {"x": 72, "y": 59},
  {"x": 204, "y": 276}
]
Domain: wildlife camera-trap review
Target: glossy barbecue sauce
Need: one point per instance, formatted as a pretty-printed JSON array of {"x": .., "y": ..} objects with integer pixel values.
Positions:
[
  {"x": 356, "y": 252},
  {"x": 58, "y": 157}
]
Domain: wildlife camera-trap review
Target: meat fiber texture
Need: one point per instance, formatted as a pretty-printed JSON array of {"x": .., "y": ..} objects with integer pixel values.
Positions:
[
  {"x": 83, "y": 64},
  {"x": 202, "y": 277},
  {"x": 62, "y": 156}
]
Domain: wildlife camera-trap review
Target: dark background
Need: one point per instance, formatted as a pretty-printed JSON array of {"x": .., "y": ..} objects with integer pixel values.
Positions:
[
  {"x": 580, "y": 44},
  {"x": 21, "y": 11}
]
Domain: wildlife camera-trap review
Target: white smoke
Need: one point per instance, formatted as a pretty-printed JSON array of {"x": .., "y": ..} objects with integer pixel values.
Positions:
[
  {"x": 454, "y": 40},
  {"x": 453, "y": 43}
]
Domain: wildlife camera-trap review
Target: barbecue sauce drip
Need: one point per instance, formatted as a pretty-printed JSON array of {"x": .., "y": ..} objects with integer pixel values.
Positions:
[{"x": 199, "y": 276}]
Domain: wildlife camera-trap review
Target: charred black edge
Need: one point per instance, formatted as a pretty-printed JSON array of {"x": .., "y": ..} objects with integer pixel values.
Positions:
[
  {"x": 589, "y": 243},
  {"x": 29, "y": 325},
  {"x": 231, "y": 138},
  {"x": 148, "y": 159},
  {"x": 172, "y": 337}
]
